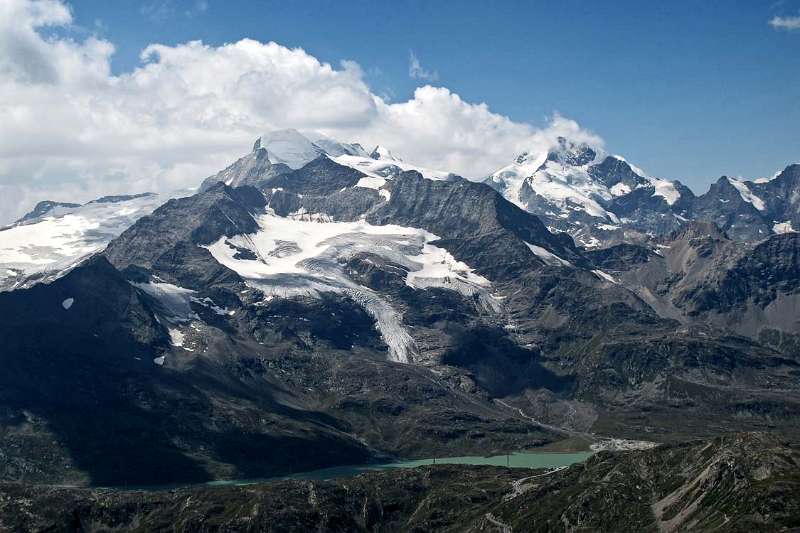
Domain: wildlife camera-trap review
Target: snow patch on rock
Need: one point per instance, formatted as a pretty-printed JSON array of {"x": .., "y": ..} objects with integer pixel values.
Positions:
[
  {"x": 666, "y": 190},
  {"x": 385, "y": 168},
  {"x": 176, "y": 338},
  {"x": 746, "y": 194},
  {"x": 547, "y": 256},
  {"x": 783, "y": 227},
  {"x": 175, "y": 301},
  {"x": 605, "y": 276}
]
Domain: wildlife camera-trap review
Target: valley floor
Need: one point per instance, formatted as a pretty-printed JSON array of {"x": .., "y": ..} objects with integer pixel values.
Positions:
[{"x": 745, "y": 481}]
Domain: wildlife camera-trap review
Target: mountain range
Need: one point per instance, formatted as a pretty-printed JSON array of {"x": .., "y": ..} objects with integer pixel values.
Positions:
[{"x": 317, "y": 304}]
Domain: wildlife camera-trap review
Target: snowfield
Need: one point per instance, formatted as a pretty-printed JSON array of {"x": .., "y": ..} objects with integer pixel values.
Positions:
[
  {"x": 570, "y": 187},
  {"x": 63, "y": 237},
  {"x": 306, "y": 255},
  {"x": 385, "y": 167}
]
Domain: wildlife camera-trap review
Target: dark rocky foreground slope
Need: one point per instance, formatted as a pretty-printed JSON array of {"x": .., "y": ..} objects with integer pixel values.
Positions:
[{"x": 739, "y": 482}]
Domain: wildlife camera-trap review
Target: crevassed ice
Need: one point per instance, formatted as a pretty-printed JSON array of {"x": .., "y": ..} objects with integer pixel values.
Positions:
[{"x": 306, "y": 257}]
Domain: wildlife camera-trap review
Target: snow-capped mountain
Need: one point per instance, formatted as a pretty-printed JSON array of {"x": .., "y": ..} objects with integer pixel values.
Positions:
[
  {"x": 281, "y": 151},
  {"x": 55, "y": 236},
  {"x": 587, "y": 193},
  {"x": 753, "y": 210},
  {"x": 601, "y": 199},
  {"x": 366, "y": 307}
]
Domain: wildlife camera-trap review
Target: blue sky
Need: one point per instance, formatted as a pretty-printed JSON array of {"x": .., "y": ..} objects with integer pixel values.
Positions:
[
  {"x": 685, "y": 90},
  {"x": 688, "y": 90}
]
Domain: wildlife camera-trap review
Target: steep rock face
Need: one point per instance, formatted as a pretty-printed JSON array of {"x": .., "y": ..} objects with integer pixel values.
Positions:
[
  {"x": 781, "y": 196},
  {"x": 321, "y": 176},
  {"x": 736, "y": 483},
  {"x": 700, "y": 276},
  {"x": 737, "y": 213},
  {"x": 753, "y": 210},
  {"x": 254, "y": 170},
  {"x": 346, "y": 204},
  {"x": 613, "y": 171},
  {"x": 178, "y": 226},
  {"x": 759, "y": 276},
  {"x": 620, "y": 256},
  {"x": 473, "y": 221}
]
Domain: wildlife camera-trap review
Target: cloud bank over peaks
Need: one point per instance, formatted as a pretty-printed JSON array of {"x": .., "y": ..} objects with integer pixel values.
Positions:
[{"x": 73, "y": 131}]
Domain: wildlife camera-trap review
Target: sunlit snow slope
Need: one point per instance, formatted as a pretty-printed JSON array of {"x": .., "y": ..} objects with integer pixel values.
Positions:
[
  {"x": 305, "y": 256},
  {"x": 47, "y": 245}
]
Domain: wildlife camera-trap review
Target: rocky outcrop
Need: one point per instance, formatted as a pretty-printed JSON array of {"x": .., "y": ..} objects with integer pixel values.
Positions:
[{"x": 254, "y": 169}]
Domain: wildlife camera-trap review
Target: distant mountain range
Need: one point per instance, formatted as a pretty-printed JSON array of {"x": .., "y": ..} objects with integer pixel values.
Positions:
[
  {"x": 602, "y": 199},
  {"x": 334, "y": 305}
]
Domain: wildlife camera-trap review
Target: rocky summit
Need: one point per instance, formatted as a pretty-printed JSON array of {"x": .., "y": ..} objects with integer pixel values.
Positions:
[{"x": 316, "y": 304}]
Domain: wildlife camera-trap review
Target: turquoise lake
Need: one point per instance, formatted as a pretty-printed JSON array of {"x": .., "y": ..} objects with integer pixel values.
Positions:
[{"x": 515, "y": 460}]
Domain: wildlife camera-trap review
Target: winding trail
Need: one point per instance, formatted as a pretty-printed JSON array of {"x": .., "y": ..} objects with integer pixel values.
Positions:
[{"x": 505, "y": 528}]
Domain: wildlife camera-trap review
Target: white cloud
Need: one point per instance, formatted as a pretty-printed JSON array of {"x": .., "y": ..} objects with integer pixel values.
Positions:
[
  {"x": 785, "y": 23},
  {"x": 415, "y": 70},
  {"x": 71, "y": 130},
  {"x": 159, "y": 11}
]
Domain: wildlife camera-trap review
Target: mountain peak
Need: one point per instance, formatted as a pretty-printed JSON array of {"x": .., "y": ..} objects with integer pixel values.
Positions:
[
  {"x": 289, "y": 147},
  {"x": 570, "y": 153},
  {"x": 695, "y": 229},
  {"x": 295, "y": 149},
  {"x": 44, "y": 207},
  {"x": 383, "y": 153}
]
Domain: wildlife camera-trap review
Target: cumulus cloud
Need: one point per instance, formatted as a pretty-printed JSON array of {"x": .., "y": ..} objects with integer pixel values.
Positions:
[
  {"x": 785, "y": 23},
  {"x": 415, "y": 70},
  {"x": 73, "y": 131}
]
